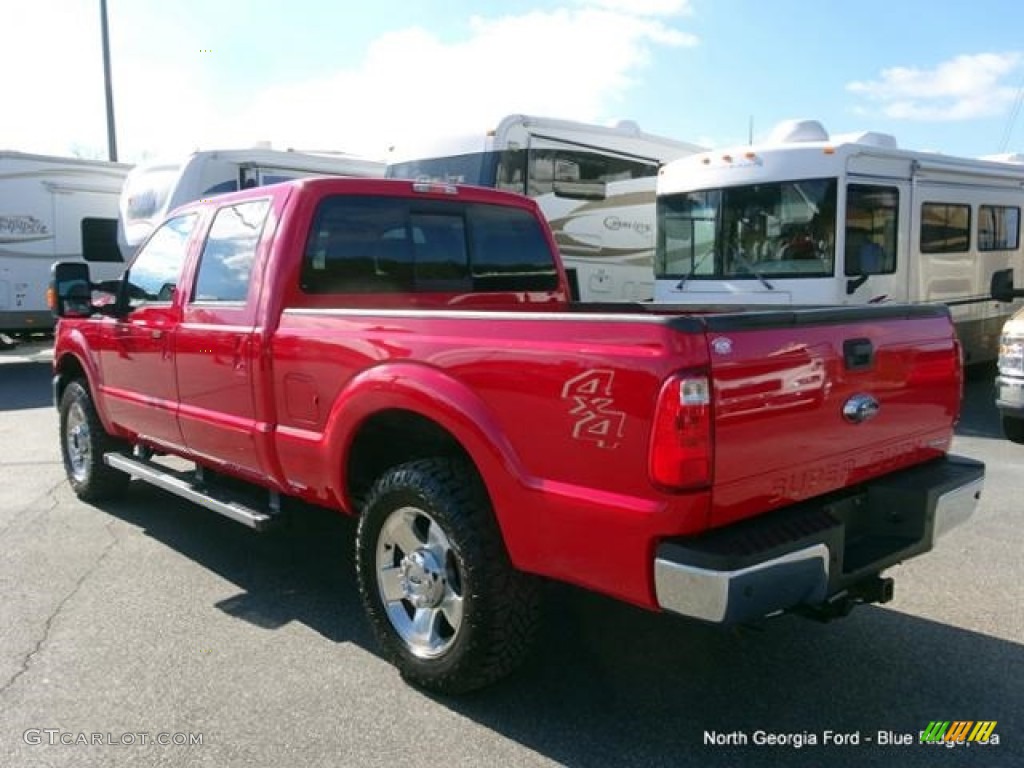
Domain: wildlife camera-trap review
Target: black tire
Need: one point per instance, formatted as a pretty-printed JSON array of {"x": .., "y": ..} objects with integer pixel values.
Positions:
[
  {"x": 450, "y": 626},
  {"x": 1013, "y": 429},
  {"x": 83, "y": 441}
]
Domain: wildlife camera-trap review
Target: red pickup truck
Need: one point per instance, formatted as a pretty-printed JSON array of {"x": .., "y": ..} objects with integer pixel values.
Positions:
[{"x": 407, "y": 353}]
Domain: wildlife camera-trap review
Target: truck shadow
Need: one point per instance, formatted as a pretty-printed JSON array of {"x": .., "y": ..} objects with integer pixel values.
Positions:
[
  {"x": 611, "y": 684},
  {"x": 25, "y": 385},
  {"x": 615, "y": 685},
  {"x": 302, "y": 571}
]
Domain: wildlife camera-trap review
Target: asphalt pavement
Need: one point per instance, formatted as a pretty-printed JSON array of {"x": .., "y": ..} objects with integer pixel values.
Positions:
[{"x": 149, "y": 620}]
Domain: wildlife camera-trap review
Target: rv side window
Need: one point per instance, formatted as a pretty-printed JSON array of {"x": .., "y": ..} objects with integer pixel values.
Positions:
[
  {"x": 872, "y": 213},
  {"x": 99, "y": 240},
  {"x": 998, "y": 228},
  {"x": 225, "y": 266},
  {"x": 945, "y": 228},
  {"x": 220, "y": 189},
  {"x": 154, "y": 274},
  {"x": 549, "y": 166},
  {"x": 510, "y": 174}
]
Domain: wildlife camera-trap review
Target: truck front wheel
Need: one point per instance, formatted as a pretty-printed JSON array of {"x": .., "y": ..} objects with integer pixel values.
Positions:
[
  {"x": 444, "y": 601},
  {"x": 83, "y": 443}
]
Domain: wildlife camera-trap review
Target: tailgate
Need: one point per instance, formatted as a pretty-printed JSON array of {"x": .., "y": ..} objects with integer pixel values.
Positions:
[{"x": 810, "y": 401}]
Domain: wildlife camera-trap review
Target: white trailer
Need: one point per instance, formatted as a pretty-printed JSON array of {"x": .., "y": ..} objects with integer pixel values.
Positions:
[
  {"x": 154, "y": 189},
  {"x": 52, "y": 209},
  {"x": 595, "y": 185},
  {"x": 809, "y": 219}
]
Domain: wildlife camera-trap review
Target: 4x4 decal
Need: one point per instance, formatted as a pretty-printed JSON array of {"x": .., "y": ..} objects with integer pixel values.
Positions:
[{"x": 590, "y": 394}]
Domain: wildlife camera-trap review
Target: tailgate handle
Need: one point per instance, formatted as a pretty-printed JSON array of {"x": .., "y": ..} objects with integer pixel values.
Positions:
[{"x": 858, "y": 354}]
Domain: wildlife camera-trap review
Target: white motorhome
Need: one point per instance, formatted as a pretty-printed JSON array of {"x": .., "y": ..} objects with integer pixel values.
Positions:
[
  {"x": 52, "y": 208},
  {"x": 809, "y": 219},
  {"x": 154, "y": 189},
  {"x": 595, "y": 184}
]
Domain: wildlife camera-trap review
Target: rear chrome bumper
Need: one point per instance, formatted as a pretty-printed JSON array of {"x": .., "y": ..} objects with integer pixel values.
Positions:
[{"x": 805, "y": 555}]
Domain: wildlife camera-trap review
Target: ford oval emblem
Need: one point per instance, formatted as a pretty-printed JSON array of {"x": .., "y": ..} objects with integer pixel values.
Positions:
[{"x": 860, "y": 408}]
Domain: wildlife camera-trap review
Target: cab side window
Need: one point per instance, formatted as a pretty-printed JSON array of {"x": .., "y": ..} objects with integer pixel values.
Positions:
[
  {"x": 225, "y": 267},
  {"x": 154, "y": 274}
]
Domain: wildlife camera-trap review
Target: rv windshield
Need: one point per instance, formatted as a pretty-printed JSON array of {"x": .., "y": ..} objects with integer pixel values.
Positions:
[
  {"x": 144, "y": 199},
  {"x": 781, "y": 229}
]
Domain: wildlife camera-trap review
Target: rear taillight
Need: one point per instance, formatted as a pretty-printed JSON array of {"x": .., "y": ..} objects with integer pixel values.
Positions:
[{"x": 680, "y": 453}]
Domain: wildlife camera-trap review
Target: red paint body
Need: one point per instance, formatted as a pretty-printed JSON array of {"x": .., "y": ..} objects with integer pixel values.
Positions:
[{"x": 554, "y": 404}]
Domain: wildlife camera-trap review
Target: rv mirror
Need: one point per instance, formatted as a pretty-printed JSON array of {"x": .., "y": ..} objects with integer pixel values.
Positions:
[
  {"x": 580, "y": 190},
  {"x": 70, "y": 293},
  {"x": 1001, "y": 288},
  {"x": 854, "y": 284}
]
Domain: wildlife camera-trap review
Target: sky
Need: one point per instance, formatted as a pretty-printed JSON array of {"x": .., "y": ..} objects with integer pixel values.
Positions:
[{"x": 362, "y": 77}]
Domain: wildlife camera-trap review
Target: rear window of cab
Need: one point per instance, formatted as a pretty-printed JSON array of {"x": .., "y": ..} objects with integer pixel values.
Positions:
[{"x": 367, "y": 244}]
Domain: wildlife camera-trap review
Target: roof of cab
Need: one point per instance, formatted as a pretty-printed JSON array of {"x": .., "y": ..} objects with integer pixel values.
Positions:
[{"x": 323, "y": 186}]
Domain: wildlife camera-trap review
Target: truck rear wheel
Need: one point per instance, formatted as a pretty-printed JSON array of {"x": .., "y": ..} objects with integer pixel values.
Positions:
[
  {"x": 442, "y": 596},
  {"x": 83, "y": 443}
]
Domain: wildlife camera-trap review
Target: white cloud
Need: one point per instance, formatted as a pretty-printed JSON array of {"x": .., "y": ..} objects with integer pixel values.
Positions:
[
  {"x": 53, "y": 98},
  {"x": 575, "y": 61},
  {"x": 49, "y": 106},
  {"x": 569, "y": 62},
  {"x": 963, "y": 88}
]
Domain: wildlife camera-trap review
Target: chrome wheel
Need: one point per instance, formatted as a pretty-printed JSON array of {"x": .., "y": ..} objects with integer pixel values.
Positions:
[
  {"x": 78, "y": 441},
  {"x": 419, "y": 581},
  {"x": 83, "y": 443},
  {"x": 446, "y": 604}
]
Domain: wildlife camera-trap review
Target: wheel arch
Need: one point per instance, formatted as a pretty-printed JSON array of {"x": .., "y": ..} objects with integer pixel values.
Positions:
[
  {"x": 398, "y": 413},
  {"x": 75, "y": 364},
  {"x": 67, "y": 368},
  {"x": 391, "y": 437}
]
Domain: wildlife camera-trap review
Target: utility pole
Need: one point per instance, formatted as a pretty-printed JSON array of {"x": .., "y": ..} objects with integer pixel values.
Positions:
[{"x": 108, "y": 86}]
